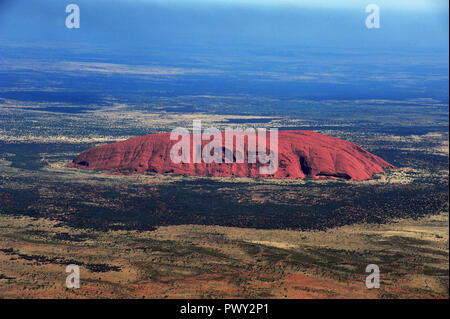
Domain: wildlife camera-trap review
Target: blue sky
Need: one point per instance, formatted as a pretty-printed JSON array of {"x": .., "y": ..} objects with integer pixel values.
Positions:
[
  {"x": 399, "y": 5},
  {"x": 407, "y": 24}
]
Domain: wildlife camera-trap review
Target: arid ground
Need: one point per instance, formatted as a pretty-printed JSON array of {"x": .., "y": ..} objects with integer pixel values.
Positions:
[{"x": 220, "y": 262}]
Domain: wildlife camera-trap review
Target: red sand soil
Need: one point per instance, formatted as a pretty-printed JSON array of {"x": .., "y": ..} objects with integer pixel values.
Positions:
[{"x": 302, "y": 154}]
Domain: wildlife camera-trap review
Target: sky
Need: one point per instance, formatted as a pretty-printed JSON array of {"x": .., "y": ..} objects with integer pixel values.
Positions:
[
  {"x": 399, "y": 5},
  {"x": 405, "y": 24}
]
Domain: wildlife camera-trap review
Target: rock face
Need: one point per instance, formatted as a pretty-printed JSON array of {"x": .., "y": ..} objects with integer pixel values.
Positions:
[{"x": 301, "y": 154}]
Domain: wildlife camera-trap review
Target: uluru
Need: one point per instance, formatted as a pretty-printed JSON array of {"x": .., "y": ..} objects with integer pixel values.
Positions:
[{"x": 301, "y": 154}]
